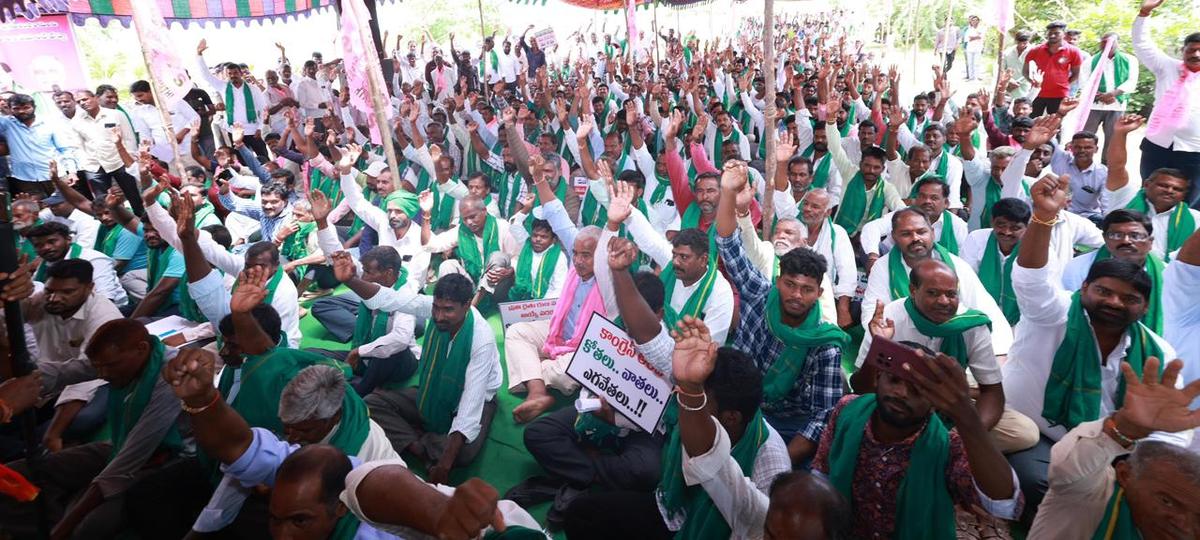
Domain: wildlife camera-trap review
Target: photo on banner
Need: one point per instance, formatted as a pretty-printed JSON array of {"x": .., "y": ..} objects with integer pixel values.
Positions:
[{"x": 39, "y": 56}]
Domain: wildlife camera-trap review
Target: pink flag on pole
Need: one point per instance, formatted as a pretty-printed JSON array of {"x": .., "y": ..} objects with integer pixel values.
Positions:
[
  {"x": 361, "y": 61},
  {"x": 631, "y": 26},
  {"x": 164, "y": 64},
  {"x": 1004, "y": 15},
  {"x": 1090, "y": 88}
]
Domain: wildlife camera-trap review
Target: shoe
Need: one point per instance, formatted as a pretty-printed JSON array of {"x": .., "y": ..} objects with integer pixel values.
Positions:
[
  {"x": 556, "y": 516},
  {"x": 309, "y": 296},
  {"x": 534, "y": 491}
]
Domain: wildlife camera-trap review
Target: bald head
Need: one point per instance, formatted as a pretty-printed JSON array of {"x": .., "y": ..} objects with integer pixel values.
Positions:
[
  {"x": 805, "y": 506},
  {"x": 933, "y": 287}
]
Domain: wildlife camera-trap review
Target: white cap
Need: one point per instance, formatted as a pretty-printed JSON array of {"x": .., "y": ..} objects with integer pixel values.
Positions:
[
  {"x": 375, "y": 168},
  {"x": 245, "y": 182}
]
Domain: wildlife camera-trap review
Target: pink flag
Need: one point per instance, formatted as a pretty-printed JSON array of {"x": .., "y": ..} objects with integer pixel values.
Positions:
[
  {"x": 361, "y": 61},
  {"x": 1004, "y": 15},
  {"x": 631, "y": 26},
  {"x": 1090, "y": 88},
  {"x": 164, "y": 65}
]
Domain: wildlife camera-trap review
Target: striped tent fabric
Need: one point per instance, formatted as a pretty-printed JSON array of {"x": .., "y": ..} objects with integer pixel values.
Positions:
[{"x": 205, "y": 11}]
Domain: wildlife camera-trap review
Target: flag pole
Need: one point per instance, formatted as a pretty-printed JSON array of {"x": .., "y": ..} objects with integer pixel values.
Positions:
[
  {"x": 769, "y": 129},
  {"x": 482, "y": 36},
  {"x": 379, "y": 104},
  {"x": 158, "y": 103}
]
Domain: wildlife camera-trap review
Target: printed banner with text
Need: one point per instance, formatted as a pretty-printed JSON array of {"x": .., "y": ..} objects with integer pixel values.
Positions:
[{"x": 609, "y": 364}]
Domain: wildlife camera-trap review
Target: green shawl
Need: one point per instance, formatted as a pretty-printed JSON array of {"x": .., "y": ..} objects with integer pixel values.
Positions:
[
  {"x": 995, "y": 272},
  {"x": 703, "y": 520},
  {"x": 1120, "y": 63},
  {"x": 924, "y": 508},
  {"x": 719, "y": 141},
  {"x": 247, "y": 97},
  {"x": 780, "y": 378},
  {"x": 951, "y": 331},
  {"x": 898, "y": 275},
  {"x": 443, "y": 210},
  {"x": 1179, "y": 228},
  {"x": 263, "y": 377},
  {"x": 370, "y": 325},
  {"x": 158, "y": 259},
  {"x": 820, "y": 167},
  {"x": 72, "y": 253},
  {"x": 1117, "y": 523},
  {"x": 443, "y": 373},
  {"x": 106, "y": 239},
  {"x": 528, "y": 282},
  {"x": 948, "y": 239},
  {"x": 698, "y": 300},
  {"x": 853, "y": 211},
  {"x": 272, "y": 284},
  {"x": 938, "y": 172},
  {"x": 495, "y": 61},
  {"x": 468, "y": 251},
  {"x": 354, "y": 426},
  {"x": 1074, "y": 386},
  {"x": 346, "y": 527},
  {"x": 1154, "y": 268},
  {"x": 126, "y": 404}
]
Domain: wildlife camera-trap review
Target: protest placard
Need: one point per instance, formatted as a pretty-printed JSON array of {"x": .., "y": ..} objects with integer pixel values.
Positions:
[
  {"x": 545, "y": 38},
  {"x": 580, "y": 185},
  {"x": 608, "y": 363},
  {"x": 526, "y": 310}
]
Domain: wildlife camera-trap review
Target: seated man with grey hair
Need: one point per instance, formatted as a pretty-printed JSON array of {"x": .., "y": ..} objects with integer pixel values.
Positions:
[
  {"x": 316, "y": 407},
  {"x": 480, "y": 242},
  {"x": 1151, "y": 490},
  {"x": 306, "y": 262}
]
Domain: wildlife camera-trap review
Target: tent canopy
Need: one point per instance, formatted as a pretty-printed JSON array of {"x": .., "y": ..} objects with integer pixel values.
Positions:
[{"x": 185, "y": 12}]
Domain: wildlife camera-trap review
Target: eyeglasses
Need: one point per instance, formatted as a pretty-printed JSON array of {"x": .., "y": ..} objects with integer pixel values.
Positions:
[{"x": 1130, "y": 236}]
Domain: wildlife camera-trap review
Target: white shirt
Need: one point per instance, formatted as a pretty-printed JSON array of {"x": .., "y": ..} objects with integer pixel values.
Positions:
[
  {"x": 508, "y": 66},
  {"x": 973, "y": 45},
  {"x": 182, "y": 116},
  {"x": 310, "y": 96},
  {"x": 971, "y": 295},
  {"x": 978, "y": 172},
  {"x": 877, "y": 234},
  {"x": 1160, "y": 220},
  {"x": 63, "y": 339},
  {"x": 483, "y": 374},
  {"x": 742, "y": 500},
  {"x": 981, "y": 358},
  {"x": 99, "y": 145},
  {"x": 1181, "y": 316},
  {"x": 1044, "y": 306},
  {"x": 84, "y": 228},
  {"x": 834, "y": 244},
  {"x": 211, "y": 294},
  {"x": 237, "y": 110},
  {"x": 718, "y": 312},
  {"x": 974, "y": 247},
  {"x": 416, "y": 258},
  {"x": 1166, "y": 73},
  {"x": 899, "y": 176}
]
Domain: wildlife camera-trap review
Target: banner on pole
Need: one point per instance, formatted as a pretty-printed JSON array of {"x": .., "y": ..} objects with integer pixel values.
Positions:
[
  {"x": 356, "y": 58},
  {"x": 39, "y": 56},
  {"x": 1004, "y": 15},
  {"x": 608, "y": 364},
  {"x": 163, "y": 63},
  {"x": 631, "y": 25}
]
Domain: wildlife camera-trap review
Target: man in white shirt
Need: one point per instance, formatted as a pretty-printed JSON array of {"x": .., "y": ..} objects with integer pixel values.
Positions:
[
  {"x": 913, "y": 237},
  {"x": 510, "y": 66},
  {"x": 244, "y": 103},
  {"x": 84, "y": 228},
  {"x": 447, "y": 417},
  {"x": 949, "y": 230},
  {"x": 831, "y": 241},
  {"x": 100, "y": 130},
  {"x": 314, "y": 101},
  {"x": 1117, "y": 82},
  {"x": 52, "y": 242},
  {"x": 973, "y": 47},
  {"x": 1181, "y": 311},
  {"x": 1064, "y": 366},
  {"x": 182, "y": 117},
  {"x": 1177, "y": 143}
]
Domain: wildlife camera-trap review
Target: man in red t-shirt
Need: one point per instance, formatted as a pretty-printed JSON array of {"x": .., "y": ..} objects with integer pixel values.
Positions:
[{"x": 1059, "y": 63}]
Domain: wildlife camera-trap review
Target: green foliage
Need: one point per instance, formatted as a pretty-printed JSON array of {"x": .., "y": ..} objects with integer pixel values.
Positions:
[
  {"x": 444, "y": 18},
  {"x": 113, "y": 61}
]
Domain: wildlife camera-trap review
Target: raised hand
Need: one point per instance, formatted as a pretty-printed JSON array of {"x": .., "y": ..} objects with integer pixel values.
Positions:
[
  {"x": 881, "y": 326},
  {"x": 1148, "y": 7},
  {"x": 965, "y": 124},
  {"x": 150, "y": 195},
  {"x": 115, "y": 196},
  {"x": 734, "y": 176},
  {"x": 343, "y": 266},
  {"x": 18, "y": 285},
  {"x": 184, "y": 211},
  {"x": 536, "y": 163},
  {"x": 1153, "y": 403},
  {"x": 695, "y": 354},
  {"x": 620, "y": 205},
  {"x": 425, "y": 201},
  {"x": 945, "y": 386},
  {"x": 785, "y": 147},
  {"x": 190, "y": 375},
  {"x": 1129, "y": 123},
  {"x": 320, "y": 205},
  {"x": 251, "y": 289},
  {"x": 832, "y": 107},
  {"x": 622, "y": 253},
  {"x": 1044, "y": 129},
  {"x": 202, "y": 46},
  {"x": 1067, "y": 105},
  {"x": 53, "y": 166},
  {"x": 349, "y": 157},
  {"x": 1050, "y": 195},
  {"x": 586, "y": 123},
  {"x": 895, "y": 118}
]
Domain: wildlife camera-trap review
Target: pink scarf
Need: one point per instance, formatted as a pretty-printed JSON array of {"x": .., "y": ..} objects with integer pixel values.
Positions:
[
  {"x": 593, "y": 303},
  {"x": 1171, "y": 110}
]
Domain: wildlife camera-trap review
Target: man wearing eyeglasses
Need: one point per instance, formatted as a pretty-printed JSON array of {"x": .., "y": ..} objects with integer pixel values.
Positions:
[{"x": 1129, "y": 236}]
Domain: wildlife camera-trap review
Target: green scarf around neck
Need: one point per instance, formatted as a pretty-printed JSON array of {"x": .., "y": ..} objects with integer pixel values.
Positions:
[
  {"x": 853, "y": 212},
  {"x": 1120, "y": 63},
  {"x": 72, "y": 253},
  {"x": 703, "y": 520},
  {"x": 1117, "y": 522},
  {"x": 951, "y": 331},
  {"x": 371, "y": 325},
  {"x": 106, "y": 240},
  {"x": 1181, "y": 225},
  {"x": 820, "y": 167},
  {"x": 529, "y": 282},
  {"x": 696, "y": 302},
  {"x": 468, "y": 251},
  {"x": 1075, "y": 384},
  {"x": 780, "y": 378},
  {"x": 924, "y": 508},
  {"x": 995, "y": 272},
  {"x": 272, "y": 284},
  {"x": 127, "y": 404},
  {"x": 948, "y": 239},
  {"x": 355, "y": 425},
  {"x": 443, "y": 372},
  {"x": 247, "y": 97},
  {"x": 157, "y": 261},
  {"x": 898, "y": 273},
  {"x": 1153, "y": 319}
]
